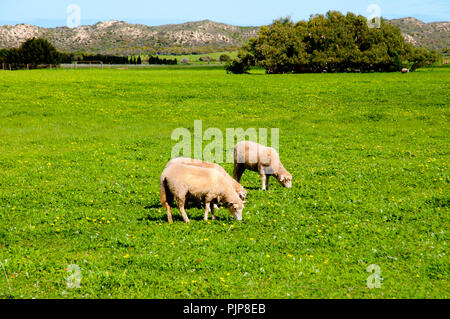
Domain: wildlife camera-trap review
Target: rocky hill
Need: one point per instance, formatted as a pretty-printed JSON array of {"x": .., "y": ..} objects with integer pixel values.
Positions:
[
  {"x": 434, "y": 35},
  {"x": 118, "y": 37}
]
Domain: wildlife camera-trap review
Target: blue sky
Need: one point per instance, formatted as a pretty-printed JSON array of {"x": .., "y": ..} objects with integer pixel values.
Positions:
[{"x": 52, "y": 13}]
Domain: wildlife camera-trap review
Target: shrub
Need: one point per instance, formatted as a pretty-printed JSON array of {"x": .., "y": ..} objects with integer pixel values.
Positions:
[
  {"x": 241, "y": 64},
  {"x": 205, "y": 59},
  {"x": 224, "y": 58}
]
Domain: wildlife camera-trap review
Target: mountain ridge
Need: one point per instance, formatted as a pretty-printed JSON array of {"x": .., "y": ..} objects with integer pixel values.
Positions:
[{"x": 122, "y": 38}]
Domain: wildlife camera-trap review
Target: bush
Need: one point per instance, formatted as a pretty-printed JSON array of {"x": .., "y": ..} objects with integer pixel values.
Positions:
[
  {"x": 206, "y": 59},
  {"x": 224, "y": 58},
  {"x": 239, "y": 65}
]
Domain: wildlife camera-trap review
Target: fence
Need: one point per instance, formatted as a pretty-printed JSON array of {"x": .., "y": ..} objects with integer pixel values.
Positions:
[
  {"x": 75, "y": 65},
  {"x": 11, "y": 67}
]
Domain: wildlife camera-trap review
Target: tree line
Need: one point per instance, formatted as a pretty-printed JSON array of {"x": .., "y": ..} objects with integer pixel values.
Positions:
[
  {"x": 330, "y": 43},
  {"x": 158, "y": 60},
  {"x": 37, "y": 52},
  {"x": 31, "y": 53}
]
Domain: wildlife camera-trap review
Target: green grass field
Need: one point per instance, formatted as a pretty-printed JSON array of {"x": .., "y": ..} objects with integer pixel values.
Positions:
[{"x": 81, "y": 152}]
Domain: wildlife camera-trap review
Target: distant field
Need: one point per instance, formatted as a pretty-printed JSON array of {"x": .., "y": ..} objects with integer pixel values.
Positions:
[
  {"x": 81, "y": 152},
  {"x": 194, "y": 58}
]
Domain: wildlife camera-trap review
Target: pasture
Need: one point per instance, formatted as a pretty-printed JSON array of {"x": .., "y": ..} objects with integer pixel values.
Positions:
[
  {"x": 81, "y": 152},
  {"x": 194, "y": 58}
]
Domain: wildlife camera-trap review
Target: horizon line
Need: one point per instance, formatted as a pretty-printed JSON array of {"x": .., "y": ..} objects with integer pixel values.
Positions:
[{"x": 90, "y": 22}]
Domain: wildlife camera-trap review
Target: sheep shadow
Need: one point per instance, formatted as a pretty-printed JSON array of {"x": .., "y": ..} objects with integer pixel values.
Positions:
[
  {"x": 188, "y": 205},
  {"x": 176, "y": 215},
  {"x": 253, "y": 188}
]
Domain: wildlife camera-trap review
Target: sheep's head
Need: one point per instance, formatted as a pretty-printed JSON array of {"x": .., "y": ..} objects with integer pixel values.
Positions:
[
  {"x": 285, "y": 179},
  {"x": 236, "y": 209}
]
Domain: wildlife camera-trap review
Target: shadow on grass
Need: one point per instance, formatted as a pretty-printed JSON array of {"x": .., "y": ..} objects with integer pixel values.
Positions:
[
  {"x": 253, "y": 188},
  {"x": 176, "y": 215},
  {"x": 188, "y": 205}
]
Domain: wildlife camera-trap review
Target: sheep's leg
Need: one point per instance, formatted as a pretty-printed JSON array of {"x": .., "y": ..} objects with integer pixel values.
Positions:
[
  {"x": 238, "y": 171},
  {"x": 207, "y": 209},
  {"x": 267, "y": 182},
  {"x": 180, "y": 203},
  {"x": 212, "y": 211},
  {"x": 263, "y": 181},
  {"x": 169, "y": 214}
]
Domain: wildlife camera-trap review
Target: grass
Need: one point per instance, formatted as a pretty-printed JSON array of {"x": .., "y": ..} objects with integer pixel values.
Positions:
[{"x": 81, "y": 152}]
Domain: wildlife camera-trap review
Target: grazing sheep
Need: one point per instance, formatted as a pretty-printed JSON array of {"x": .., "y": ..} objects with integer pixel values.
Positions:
[
  {"x": 195, "y": 162},
  {"x": 261, "y": 159},
  {"x": 182, "y": 182},
  {"x": 405, "y": 70}
]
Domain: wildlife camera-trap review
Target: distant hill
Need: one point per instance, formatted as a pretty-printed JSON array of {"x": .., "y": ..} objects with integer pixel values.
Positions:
[
  {"x": 117, "y": 37},
  {"x": 121, "y": 38},
  {"x": 435, "y": 35}
]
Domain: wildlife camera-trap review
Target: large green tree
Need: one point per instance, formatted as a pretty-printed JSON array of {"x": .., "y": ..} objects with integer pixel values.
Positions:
[
  {"x": 39, "y": 51},
  {"x": 330, "y": 43}
]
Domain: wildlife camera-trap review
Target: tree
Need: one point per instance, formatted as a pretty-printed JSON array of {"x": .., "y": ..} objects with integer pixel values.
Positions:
[
  {"x": 421, "y": 57},
  {"x": 279, "y": 48},
  {"x": 39, "y": 51},
  {"x": 139, "y": 61},
  {"x": 3, "y": 55},
  {"x": 14, "y": 57},
  {"x": 329, "y": 43}
]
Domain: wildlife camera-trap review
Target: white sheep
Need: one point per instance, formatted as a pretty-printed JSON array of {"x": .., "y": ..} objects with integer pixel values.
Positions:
[
  {"x": 261, "y": 159},
  {"x": 240, "y": 190},
  {"x": 181, "y": 182}
]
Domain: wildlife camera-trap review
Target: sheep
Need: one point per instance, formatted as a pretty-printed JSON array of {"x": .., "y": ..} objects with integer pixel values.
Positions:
[
  {"x": 190, "y": 161},
  {"x": 405, "y": 70},
  {"x": 261, "y": 159},
  {"x": 182, "y": 182}
]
